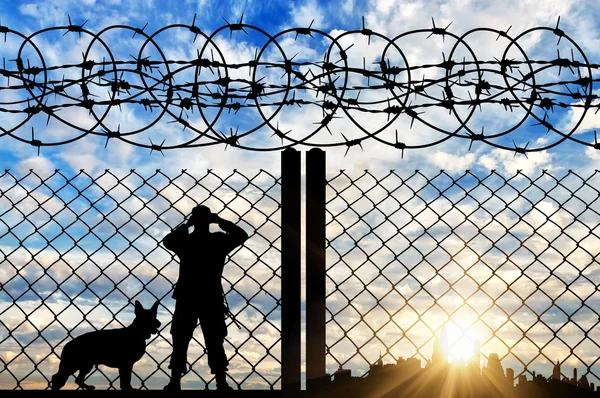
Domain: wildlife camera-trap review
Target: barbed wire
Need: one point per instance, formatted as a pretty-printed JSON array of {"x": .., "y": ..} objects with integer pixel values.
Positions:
[{"x": 512, "y": 83}]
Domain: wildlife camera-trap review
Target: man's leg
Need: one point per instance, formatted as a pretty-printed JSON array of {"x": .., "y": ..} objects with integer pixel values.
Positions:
[
  {"x": 182, "y": 329},
  {"x": 214, "y": 330}
]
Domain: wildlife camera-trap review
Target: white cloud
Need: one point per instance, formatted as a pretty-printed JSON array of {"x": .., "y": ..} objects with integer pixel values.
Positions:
[
  {"x": 348, "y": 6},
  {"x": 84, "y": 156},
  {"x": 489, "y": 162},
  {"x": 40, "y": 164},
  {"x": 386, "y": 16},
  {"x": 29, "y": 9},
  {"x": 304, "y": 13},
  {"x": 452, "y": 163},
  {"x": 591, "y": 120},
  {"x": 592, "y": 153},
  {"x": 507, "y": 163}
]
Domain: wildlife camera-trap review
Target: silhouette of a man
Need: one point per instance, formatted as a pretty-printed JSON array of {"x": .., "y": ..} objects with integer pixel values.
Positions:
[{"x": 198, "y": 293}]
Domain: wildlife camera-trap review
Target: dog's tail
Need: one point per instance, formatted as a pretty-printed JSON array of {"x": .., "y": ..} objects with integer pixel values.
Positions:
[{"x": 59, "y": 380}]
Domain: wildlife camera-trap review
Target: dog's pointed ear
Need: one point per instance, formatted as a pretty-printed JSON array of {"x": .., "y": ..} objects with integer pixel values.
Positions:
[
  {"x": 138, "y": 308},
  {"x": 155, "y": 307}
]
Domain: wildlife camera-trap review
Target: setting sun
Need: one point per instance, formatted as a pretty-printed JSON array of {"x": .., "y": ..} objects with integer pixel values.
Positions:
[{"x": 460, "y": 343}]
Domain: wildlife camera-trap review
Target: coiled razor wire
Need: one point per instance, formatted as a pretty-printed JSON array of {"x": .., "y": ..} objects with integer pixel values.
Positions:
[{"x": 153, "y": 80}]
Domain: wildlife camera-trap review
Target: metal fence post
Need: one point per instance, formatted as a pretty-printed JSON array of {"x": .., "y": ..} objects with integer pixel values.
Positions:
[
  {"x": 290, "y": 271},
  {"x": 315, "y": 268}
]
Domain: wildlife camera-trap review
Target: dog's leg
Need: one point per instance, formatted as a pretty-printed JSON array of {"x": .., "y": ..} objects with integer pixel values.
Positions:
[
  {"x": 125, "y": 377},
  {"x": 83, "y": 371}
]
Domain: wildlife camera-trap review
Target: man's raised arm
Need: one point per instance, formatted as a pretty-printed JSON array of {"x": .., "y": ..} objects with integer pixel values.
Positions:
[
  {"x": 172, "y": 240},
  {"x": 237, "y": 236}
]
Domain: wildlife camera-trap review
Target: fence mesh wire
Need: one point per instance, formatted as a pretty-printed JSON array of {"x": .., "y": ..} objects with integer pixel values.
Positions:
[
  {"x": 508, "y": 261},
  {"x": 78, "y": 250}
]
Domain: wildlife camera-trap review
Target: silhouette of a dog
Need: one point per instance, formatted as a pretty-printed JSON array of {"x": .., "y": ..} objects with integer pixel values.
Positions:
[{"x": 115, "y": 348}]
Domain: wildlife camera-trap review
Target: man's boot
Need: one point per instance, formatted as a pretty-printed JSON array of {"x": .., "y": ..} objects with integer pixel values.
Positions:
[
  {"x": 175, "y": 382},
  {"x": 222, "y": 382}
]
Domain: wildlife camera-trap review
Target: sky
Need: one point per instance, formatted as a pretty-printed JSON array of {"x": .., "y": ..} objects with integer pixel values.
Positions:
[{"x": 95, "y": 154}]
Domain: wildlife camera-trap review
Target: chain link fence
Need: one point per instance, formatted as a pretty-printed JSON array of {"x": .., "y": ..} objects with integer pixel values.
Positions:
[
  {"x": 510, "y": 262},
  {"x": 78, "y": 250}
]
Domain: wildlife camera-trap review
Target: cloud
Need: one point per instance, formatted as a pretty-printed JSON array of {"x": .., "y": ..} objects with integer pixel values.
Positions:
[
  {"x": 450, "y": 162},
  {"x": 29, "y": 9},
  {"x": 574, "y": 116},
  {"x": 303, "y": 13},
  {"x": 592, "y": 153},
  {"x": 389, "y": 17},
  {"x": 40, "y": 164},
  {"x": 348, "y": 6},
  {"x": 107, "y": 273},
  {"x": 82, "y": 157},
  {"x": 507, "y": 163}
]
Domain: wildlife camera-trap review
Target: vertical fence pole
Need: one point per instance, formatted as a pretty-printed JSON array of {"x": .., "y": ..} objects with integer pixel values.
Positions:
[
  {"x": 290, "y": 271},
  {"x": 315, "y": 268}
]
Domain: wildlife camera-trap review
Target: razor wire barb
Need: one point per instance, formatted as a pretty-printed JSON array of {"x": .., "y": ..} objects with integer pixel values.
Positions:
[
  {"x": 154, "y": 82},
  {"x": 89, "y": 255}
]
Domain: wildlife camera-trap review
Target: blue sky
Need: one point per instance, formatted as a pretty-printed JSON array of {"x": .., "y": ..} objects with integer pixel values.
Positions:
[
  {"x": 389, "y": 18},
  {"x": 579, "y": 19}
]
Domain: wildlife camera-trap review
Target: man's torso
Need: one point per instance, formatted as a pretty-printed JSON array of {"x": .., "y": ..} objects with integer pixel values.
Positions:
[{"x": 202, "y": 258}]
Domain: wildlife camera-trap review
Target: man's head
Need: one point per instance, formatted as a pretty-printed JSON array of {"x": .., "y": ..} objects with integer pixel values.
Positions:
[{"x": 200, "y": 215}]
